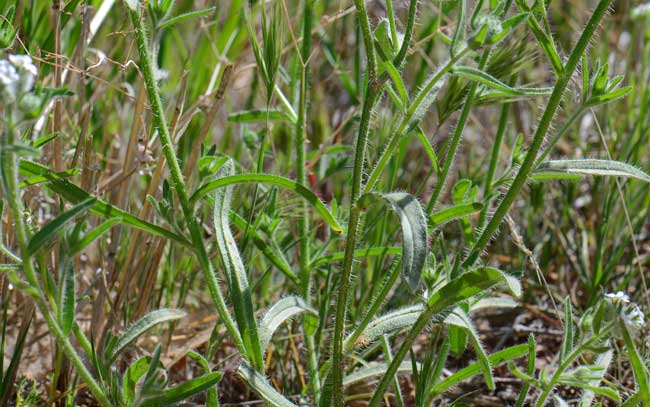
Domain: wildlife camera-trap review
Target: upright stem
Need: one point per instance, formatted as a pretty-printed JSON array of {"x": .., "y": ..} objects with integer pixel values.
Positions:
[
  {"x": 301, "y": 178},
  {"x": 372, "y": 90},
  {"x": 158, "y": 115},
  {"x": 11, "y": 191},
  {"x": 494, "y": 158},
  {"x": 350, "y": 245},
  {"x": 455, "y": 140},
  {"x": 538, "y": 139}
]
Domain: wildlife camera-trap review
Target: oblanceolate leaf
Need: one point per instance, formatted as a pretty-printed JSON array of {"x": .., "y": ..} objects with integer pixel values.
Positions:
[
  {"x": 280, "y": 312},
  {"x": 414, "y": 232},
  {"x": 239, "y": 286},
  {"x": 143, "y": 325},
  {"x": 594, "y": 167}
]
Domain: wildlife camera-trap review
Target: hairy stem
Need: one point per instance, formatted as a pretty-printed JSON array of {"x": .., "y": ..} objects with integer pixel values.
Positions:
[
  {"x": 540, "y": 133},
  {"x": 146, "y": 64},
  {"x": 11, "y": 190}
]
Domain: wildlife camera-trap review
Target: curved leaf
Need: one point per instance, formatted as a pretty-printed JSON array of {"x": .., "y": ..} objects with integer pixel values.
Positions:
[
  {"x": 492, "y": 82},
  {"x": 50, "y": 230},
  {"x": 143, "y": 325},
  {"x": 269, "y": 179},
  {"x": 75, "y": 195},
  {"x": 594, "y": 167},
  {"x": 280, "y": 312},
  {"x": 239, "y": 287},
  {"x": 414, "y": 232},
  {"x": 365, "y": 373}
]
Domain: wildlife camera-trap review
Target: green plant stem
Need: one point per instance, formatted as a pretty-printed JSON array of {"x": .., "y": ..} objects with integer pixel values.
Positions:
[
  {"x": 301, "y": 178},
  {"x": 408, "y": 34},
  {"x": 455, "y": 140},
  {"x": 540, "y": 133},
  {"x": 403, "y": 126},
  {"x": 577, "y": 351},
  {"x": 158, "y": 115},
  {"x": 372, "y": 90},
  {"x": 565, "y": 127},
  {"x": 350, "y": 244},
  {"x": 11, "y": 191},
  {"x": 494, "y": 158}
]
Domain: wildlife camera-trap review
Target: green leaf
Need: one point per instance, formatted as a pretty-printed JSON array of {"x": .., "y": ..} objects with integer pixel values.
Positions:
[
  {"x": 639, "y": 368},
  {"x": 567, "y": 340},
  {"x": 50, "y": 177},
  {"x": 414, "y": 232},
  {"x": 358, "y": 253},
  {"x": 281, "y": 311},
  {"x": 91, "y": 236},
  {"x": 239, "y": 286},
  {"x": 143, "y": 325},
  {"x": 186, "y": 16},
  {"x": 608, "y": 97},
  {"x": 495, "y": 359},
  {"x": 75, "y": 195},
  {"x": 212, "y": 400},
  {"x": 459, "y": 318},
  {"x": 457, "y": 42},
  {"x": 68, "y": 300},
  {"x": 185, "y": 390},
  {"x": 594, "y": 167},
  {"x": 258, "y": 116},
  {"x": 273, "y": 180},
  {"x": 547, "y": 44},
  {"x": 133, "y": 374},
  {"x": 50, "y": 230},
  {"x": 388, "y": 324},
  {"x": 458, "y": 211},
  {"x": 492, "y": 82},
  {"x": 261, "y": 386},
  {"x": 270, "y": 252},
  {"x": 375, "y": 370}
]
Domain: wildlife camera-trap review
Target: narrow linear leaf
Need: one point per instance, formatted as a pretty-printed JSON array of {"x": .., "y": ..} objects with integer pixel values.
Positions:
[
  {"x": 595, "y": 167},
  {"x": 75, "y": 195},
  {"x": 239, "y": 286},
  {"x": 186, "y": 16},
  {"x": 414, "y": 232},
  {"x": 68, "y": 300},
  {"x": 358, "y": 253},
  {"x": 50, "y": 230},
  {"x": 273, "y": 180},
  {"x": 258, "y": 116},
  {"x": 39, "y": 179},
  {"x": 185, "y": 390},
  {"x": 492, "y": 82},
  {"x": 495, "y": 359},
  {"x": 143, "y": 325},
  {"x": 93, "y": 235},
  {"x": 454, "y": 212},
  {"x": 274, "y": 256},
  {"x": 366, "y": 373}
]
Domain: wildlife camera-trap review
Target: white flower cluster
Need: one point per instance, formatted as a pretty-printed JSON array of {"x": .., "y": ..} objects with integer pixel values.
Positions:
[
  {"x": 640, "y": 11},
  {"x": 631, "y": 314},
  {"x": 17, "y": 77}
]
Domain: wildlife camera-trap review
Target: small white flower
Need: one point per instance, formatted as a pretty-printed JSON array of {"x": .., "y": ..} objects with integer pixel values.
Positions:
[
  {"x": 640, "y": 11},
  {"x": 9, "y": 79},
  {"x": 618, "y": 298},
  {"x": 26, "y": 69},
  {"x": 633, "y": 317}
]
